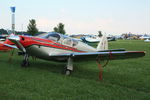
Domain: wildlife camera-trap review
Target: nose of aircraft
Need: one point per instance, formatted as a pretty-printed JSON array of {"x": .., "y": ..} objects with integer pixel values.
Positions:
[{"x": 16, "y": 39}]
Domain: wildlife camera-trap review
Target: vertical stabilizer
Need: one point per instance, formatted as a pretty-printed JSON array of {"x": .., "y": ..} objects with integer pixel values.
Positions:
[{"x": 103, "y": 44}]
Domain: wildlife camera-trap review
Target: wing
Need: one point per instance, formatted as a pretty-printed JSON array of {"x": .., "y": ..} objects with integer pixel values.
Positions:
[{"x": 114, "y": 55}]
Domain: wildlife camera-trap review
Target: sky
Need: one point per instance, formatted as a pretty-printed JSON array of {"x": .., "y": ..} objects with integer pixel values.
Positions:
[{"x": 79, "y": 16}]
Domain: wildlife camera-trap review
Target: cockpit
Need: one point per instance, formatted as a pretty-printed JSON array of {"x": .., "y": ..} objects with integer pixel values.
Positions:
[
  {"x": 60, "y": 38},
  {"x": 52, "y": 36}
]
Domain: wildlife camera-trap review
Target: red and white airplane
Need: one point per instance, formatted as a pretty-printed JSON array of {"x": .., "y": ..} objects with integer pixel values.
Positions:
[{"x": 57, "y": 47}]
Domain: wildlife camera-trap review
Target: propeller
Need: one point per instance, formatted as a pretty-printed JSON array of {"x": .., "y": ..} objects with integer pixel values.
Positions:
[{"x": 15, "y": 39}]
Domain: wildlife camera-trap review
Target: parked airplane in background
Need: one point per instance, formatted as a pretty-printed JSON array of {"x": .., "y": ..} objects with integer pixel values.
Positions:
[
  {"x": 3, "y": 47},
  {"x": 86, "y": 38},
  {"x": 145, "y": 37},
  {"x": 3, "y": 37},
  {"x": 111, "y": 38},
  {"x": 57, "y": 47},
  {"x": 147, "y": 40},
  {"x": 90, "y": 39}
]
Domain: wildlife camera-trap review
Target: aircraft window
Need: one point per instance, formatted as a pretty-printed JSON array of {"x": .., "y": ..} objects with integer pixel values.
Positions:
[
  {"x": 67, "y": 41},
  {"x": 75, "y": 42},
  {"x": 54, "y": 37}
]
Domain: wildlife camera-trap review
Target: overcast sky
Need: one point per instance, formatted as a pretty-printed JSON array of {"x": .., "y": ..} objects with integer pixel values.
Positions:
[{"x": 80, "y": 16}]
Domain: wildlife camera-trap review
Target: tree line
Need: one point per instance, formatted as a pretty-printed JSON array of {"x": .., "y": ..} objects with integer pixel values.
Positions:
[{"x": 33, "y": 30}]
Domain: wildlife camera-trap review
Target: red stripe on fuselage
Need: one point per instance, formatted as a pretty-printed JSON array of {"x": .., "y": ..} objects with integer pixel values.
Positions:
[{"x": 28, "y": 41}]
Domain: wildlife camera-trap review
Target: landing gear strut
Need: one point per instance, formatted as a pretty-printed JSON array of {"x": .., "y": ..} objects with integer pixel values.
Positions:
[
  {"x": 69, "y": 67},
  {"x": 25, "y": 62}
]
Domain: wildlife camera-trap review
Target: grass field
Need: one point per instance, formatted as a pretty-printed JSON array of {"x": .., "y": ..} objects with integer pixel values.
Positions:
[{"x": 122, "y": 79}]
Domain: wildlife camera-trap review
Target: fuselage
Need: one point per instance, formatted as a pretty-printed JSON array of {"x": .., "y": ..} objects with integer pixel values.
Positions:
[{"x": 50, "y": 45}]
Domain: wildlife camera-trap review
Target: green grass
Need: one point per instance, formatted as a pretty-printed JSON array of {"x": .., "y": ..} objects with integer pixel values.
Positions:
[{"x": 122, "y": 79}]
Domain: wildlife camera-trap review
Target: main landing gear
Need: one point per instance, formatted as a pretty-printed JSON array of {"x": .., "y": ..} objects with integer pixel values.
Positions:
[
  {"x": 67, "y": 70},
  {"x": 25, "y": 62},
  {"x": 69, "y": 67}
]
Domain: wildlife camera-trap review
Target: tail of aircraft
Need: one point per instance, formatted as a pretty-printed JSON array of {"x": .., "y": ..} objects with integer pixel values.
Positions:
[{"x": 103, "y": 44}]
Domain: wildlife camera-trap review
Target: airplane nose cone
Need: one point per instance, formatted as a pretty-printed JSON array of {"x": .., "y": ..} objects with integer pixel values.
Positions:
[{"x": 14, "y": 38}]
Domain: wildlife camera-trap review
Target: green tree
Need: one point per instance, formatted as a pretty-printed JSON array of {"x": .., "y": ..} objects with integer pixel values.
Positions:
[
  {"x": 100, "y": 33},
  {"x": 32, "y": 29},
  {"x": 60, "y": 28},
  {"x": 3, "y": 31}
]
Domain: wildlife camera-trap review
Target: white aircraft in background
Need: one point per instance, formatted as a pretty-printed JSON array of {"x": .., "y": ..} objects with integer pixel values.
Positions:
[
  {"x": 90, "y": 39},
  {"x": 145, "y": 37},
  {"x": 147, "y": 40}
]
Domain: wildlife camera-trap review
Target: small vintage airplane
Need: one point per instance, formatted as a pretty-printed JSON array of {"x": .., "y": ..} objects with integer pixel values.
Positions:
[{"x": 57, "y": 47}]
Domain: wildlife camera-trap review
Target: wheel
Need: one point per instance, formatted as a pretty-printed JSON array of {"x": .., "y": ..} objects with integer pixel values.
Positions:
[
  {"x": 68, "y": 72},
  {"x": 25, "y": 63}
]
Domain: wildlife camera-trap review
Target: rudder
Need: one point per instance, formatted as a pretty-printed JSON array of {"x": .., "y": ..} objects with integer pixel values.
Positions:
[{"x": 103, "y": 44}]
